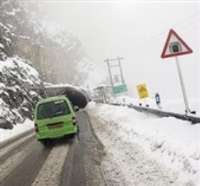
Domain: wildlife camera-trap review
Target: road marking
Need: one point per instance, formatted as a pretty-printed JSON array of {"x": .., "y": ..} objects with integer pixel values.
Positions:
[{"x": 51, "y": 170}]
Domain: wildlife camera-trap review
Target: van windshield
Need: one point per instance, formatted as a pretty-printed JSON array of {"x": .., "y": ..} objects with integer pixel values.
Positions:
[{"x": 53, "y": 109}]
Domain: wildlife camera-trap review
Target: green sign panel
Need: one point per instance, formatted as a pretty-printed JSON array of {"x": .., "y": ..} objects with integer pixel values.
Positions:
[{"x": 119, "y": 89}]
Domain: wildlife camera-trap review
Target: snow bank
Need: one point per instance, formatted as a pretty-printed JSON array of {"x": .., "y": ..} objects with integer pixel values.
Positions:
[
  {"x": 18, "y": 129},
  {"x": 172, "y": 142},
  {"x": 126, "y": 100}
]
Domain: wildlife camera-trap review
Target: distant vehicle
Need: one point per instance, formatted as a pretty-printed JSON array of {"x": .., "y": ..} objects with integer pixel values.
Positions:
[{"x": 54, "y": 117}]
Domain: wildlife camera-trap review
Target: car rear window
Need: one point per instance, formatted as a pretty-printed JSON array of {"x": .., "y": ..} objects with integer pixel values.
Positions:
[{"x": 52, "y": 109}]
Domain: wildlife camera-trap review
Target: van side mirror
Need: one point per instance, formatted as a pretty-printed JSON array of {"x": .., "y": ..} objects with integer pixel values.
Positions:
[{"x": 76, "y": 108}]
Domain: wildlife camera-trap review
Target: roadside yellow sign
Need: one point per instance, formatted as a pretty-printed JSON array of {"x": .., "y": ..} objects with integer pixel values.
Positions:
[{"x": 142, "y": 91}]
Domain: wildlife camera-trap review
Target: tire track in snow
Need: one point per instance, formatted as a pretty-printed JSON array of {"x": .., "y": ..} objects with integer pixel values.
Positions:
[
  {"x": 22, "y": 168},
  {"x": 51, "y": 170}
]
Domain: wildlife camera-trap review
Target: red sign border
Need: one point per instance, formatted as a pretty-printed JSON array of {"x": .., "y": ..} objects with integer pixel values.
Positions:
[{"x": 189, "y": 50}]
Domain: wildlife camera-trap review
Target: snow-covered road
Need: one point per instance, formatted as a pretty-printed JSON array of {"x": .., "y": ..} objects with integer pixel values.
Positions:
[
  {"x": 17, "y": 130},
  {"x": 65, "y": 162},
  {"x": 146, "y": 150}
]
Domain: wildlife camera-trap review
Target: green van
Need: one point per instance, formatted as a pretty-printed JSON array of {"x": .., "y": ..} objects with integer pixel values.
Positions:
[{"x": 54, "y": 117}]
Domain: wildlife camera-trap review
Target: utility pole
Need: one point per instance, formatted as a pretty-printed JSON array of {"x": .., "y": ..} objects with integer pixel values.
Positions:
[
  {"x": 109, "y": 72},
  {"x": 120, "y": 67},
  {"x": 116, "y": 65}
]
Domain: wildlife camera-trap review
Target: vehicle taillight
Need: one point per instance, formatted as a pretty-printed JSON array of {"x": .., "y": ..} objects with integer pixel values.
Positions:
[
  {"x": 36, "y": 127},
  {"x": 74, "y": 120}
]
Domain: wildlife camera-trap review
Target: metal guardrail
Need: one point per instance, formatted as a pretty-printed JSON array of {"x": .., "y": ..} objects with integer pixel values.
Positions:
[{"x": 192, "y": 119}]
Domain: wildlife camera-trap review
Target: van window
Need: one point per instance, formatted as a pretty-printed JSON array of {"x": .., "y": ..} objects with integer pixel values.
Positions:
[{"x": 52, "y": 109}]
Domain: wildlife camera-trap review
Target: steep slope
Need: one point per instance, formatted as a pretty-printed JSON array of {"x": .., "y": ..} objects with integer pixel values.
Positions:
[{"x": 18, "y": 79}]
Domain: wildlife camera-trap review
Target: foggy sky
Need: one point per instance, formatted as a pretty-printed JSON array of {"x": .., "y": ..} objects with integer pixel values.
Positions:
[{"x": 137, "y": 32}]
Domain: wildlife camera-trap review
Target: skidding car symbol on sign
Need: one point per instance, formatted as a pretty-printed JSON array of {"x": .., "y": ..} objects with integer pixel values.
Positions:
[{"x": 175, "y": 46}]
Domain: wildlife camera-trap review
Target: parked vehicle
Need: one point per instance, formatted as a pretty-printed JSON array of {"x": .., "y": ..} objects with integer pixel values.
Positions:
[{"x": 54, "y": 117}]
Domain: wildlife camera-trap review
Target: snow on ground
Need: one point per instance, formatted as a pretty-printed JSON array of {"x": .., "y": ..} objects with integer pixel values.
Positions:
[
  {"x": 66, "y": 85},
  {"x": 18, "y": 129},
  {"x": 178, "y": 105},
  {"x": 173, "y": 145}
]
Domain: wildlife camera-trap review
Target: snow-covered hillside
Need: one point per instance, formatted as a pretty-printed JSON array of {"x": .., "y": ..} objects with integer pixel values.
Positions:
[
  {"x": 26, "y": 45},
  {"x": 19, "y": 83}
]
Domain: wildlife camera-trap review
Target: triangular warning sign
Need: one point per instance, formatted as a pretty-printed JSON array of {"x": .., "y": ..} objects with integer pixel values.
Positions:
[{"x": 175, "y": 46}]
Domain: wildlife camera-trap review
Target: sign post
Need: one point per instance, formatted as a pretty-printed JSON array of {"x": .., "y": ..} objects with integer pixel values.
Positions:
[
  {"x": 187, "y": 109},
  {"x": 174, "y": 47}
]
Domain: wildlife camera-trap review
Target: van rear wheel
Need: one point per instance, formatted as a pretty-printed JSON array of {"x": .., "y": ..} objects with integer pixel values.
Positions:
[{"x": 45, "y": 142}]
